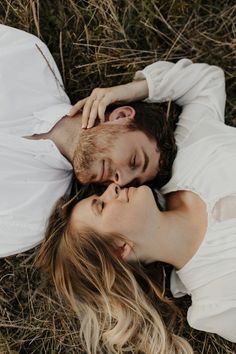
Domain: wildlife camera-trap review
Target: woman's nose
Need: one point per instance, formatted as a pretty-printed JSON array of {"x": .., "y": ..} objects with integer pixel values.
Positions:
[{"x": 112, "y": 191}]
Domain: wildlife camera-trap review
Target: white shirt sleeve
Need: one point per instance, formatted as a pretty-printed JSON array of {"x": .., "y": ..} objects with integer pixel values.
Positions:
[
  {"x": 189, "y": 85},
  {"x": 218, "y": 318},
  {"x": 30, "y": 80},
  {"x": 33, "y": 173}
]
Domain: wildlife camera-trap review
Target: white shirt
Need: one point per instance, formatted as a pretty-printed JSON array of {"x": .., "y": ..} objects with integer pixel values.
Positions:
[
  {"x": 33, "y": 173},
  {"x": 206, "y": 165}
]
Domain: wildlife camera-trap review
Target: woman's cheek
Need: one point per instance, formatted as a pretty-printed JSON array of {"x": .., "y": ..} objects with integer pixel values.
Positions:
[{"x": 114, "y": 218}]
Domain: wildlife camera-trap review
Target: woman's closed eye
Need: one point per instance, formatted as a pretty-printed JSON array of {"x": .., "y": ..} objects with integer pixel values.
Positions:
[
  {"x": 97, "y": 206},
  {"x": 100, "y": 205}
]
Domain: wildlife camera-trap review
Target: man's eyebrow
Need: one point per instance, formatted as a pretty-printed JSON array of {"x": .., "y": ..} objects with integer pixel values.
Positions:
[{"x": 146, "y": 161}]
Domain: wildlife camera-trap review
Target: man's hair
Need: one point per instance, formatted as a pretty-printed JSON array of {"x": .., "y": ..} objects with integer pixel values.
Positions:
[{"x": 158, "y": 122}]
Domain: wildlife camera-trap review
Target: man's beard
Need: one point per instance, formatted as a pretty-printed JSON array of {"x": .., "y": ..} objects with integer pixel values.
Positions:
[
  {"x": 83, "y": 163},
  {"x": 94, "y": 145}
]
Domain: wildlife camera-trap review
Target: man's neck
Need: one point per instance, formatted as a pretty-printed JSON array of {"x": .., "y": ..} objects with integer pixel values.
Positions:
[{"x": 65, "y": 134}]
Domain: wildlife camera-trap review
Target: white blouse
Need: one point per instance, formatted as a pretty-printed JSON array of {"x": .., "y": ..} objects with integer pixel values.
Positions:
[
  {"x": 206, "y": 165},
  {"x": 33, "y": 173}
]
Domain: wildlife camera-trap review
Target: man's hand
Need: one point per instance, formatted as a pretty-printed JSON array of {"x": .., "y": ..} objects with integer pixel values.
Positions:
[{"x": 94, "y": 106}]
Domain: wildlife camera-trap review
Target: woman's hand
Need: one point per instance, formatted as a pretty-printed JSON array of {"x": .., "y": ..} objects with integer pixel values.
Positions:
[{"x": 94, "y": 106}]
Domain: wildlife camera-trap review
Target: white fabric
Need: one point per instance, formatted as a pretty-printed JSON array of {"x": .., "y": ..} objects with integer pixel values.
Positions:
[
  {"x": 33, "y": 173},
  {"x": 205, "y": 164}
]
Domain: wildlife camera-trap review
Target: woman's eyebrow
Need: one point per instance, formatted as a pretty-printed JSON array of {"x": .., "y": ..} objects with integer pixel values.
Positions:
[{"x": 92, "y": 206}]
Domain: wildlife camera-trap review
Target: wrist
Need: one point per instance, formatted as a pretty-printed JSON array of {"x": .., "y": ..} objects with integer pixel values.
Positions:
[
  {"x": 139, "y": 89},
  {"x": 143, "y": 89}
]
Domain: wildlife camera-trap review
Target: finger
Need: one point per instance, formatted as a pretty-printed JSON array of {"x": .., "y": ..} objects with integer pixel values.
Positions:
[
  {"x": 86, "y": 111},
  {"x": 101, "y": 110},
  {"x": 77, "y": 107},
  {"x": 93, "y": 114}
]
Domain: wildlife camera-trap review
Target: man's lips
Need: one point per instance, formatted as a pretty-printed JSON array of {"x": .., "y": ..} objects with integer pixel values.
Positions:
[
  {"x": 103, "y": 175},
  {"x": 100, "y": 179}
]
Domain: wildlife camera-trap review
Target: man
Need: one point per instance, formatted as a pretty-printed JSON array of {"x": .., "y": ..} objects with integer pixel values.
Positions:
[{"x": 39, "y": 142}]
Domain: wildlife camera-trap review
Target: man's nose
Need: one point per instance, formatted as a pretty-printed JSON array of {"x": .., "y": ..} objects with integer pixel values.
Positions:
[{"x": 123, "y": 177}]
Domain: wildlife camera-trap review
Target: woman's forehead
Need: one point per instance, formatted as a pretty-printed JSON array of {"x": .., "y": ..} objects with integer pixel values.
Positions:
[
  {"x": 83, "y": 205},
  {"x": 82, "y": 214}
]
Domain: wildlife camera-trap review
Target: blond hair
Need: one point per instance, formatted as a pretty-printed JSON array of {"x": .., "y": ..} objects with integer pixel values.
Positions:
[{"x": 119, "y": 306}]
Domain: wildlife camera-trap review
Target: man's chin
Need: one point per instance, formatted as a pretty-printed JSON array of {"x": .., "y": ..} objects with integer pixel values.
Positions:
[{"x": 84, "y": 180}]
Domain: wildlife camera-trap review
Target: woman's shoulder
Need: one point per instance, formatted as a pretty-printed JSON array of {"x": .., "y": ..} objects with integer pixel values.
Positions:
[{"x": 214, "y": 315}]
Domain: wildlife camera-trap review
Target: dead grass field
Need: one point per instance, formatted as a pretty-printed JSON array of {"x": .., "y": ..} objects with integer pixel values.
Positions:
[{"x": 101, "y": 43}]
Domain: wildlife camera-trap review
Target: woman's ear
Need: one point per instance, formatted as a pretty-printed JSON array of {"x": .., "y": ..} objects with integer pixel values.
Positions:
[
  {"x": 125, "y": 250},
  {"x": 121, "y": 115}
]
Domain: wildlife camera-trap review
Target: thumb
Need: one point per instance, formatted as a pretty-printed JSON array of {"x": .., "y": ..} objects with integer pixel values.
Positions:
[{"x": 77, "y": 107}]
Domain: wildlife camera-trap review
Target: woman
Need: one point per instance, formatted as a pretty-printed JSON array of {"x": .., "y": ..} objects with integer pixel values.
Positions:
[
  {"x": 117, "y": 298},
  {"x": 201, "y": 195},
  {"x": 203, "y": 177}
]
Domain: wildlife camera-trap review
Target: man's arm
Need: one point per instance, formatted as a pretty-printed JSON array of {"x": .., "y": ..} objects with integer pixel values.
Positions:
[{"x": 30, "y": 80}]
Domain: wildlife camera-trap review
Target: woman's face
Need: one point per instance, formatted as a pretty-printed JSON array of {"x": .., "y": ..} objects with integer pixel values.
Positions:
[{"x": 120, "y": 210}]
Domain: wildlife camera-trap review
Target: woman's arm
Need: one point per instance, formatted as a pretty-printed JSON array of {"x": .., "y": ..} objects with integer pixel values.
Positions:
[
  {"x": 222, "y": 322},
  {"x": 95, "y": 105},
  {"x": 185, "y": 83}
]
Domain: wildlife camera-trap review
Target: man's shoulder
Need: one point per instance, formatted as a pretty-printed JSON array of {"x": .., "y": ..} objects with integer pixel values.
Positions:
[{"x": 9, "y": 36}]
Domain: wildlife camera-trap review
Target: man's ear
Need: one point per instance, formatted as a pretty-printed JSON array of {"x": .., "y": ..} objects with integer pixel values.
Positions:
[{"x": 121, "y": 115}]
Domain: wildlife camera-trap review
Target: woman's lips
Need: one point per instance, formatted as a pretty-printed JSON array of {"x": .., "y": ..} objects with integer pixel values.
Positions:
[
  {"x": 127, "y": 193},
  {"x": 130, "y": 192}
]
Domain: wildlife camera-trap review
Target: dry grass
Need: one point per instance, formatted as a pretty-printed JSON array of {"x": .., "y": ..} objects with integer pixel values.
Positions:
[{"x": 101, "y": 43}]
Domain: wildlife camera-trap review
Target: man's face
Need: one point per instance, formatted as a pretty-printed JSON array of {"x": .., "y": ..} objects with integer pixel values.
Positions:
[{"x": 110, "y": 153}]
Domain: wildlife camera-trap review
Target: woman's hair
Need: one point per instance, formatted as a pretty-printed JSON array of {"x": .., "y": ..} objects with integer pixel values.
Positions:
[{"x": 120, "y": 306}]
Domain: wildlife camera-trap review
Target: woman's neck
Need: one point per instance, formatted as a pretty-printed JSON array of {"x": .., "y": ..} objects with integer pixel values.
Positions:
[
  {"x": 179, "y": 231},
  {"x": 166, "y": 240}
]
